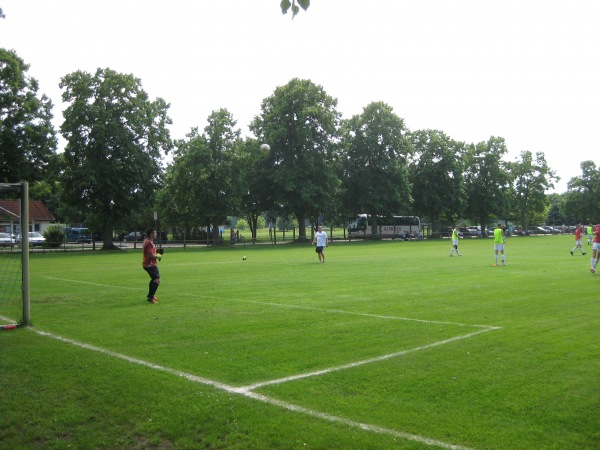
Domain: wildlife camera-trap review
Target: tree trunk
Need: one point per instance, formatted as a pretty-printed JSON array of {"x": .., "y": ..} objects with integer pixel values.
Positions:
[
  {"x": 301, "y": 228},
  {"x": 216, "y": 237},
  {"x": 107, "y": 242},
  {"x": 374, "y": 227},
  {"x": 253, "y": 223}
]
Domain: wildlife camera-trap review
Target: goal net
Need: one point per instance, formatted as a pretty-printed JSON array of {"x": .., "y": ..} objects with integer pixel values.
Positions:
[{"x": 14, "y": 259}]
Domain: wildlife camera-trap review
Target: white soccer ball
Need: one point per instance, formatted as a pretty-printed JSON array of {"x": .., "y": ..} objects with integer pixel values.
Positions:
[
  {"x": 243, "y": 258},
  {"x": 265, "y": 147}
]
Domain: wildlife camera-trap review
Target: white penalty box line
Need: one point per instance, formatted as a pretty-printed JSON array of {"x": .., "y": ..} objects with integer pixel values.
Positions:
[
  {"x": 248, "y": 393},
  {"x": 254, "y": 386},
  {"x": 249, "y": 390}
]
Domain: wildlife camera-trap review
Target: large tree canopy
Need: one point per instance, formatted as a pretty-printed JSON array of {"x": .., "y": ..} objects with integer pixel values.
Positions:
[
  {"x": 299, "y": 121},
  {"x": 374, "y": 163},
  {"x": 583, "y": 196},
  {"x": 27, "y": 137},
  {"x": 437, "y": 176},
  {"x": 115, "y": 140},
  {"x": 487, "y": 181},
  {"x": 531, "y": 178},
  {"x": 203, "y": 186}
]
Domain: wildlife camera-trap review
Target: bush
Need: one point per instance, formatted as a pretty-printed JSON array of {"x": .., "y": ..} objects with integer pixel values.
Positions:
[{"x": 54, "y": 235}]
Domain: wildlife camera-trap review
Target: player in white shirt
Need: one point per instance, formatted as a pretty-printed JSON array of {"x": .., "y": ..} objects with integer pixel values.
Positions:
[{"x": 322, "y": 242}]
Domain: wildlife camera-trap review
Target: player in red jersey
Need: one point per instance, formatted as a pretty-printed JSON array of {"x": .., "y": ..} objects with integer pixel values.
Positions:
[
  {"x": 595, "y": 249},
  {"x": 578, "y": 233}
]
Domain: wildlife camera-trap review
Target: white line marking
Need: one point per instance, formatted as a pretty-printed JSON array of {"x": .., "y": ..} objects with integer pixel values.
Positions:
[
  {"x": 359, "y": 363},
  {"x": 247, "y": 391},
  {"x": 260, "y": 397},
  {"x": 281, "y": 305}
]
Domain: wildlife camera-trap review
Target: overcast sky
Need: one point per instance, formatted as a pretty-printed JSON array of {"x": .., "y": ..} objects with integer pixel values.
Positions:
[{"x": 525, "y": 70}]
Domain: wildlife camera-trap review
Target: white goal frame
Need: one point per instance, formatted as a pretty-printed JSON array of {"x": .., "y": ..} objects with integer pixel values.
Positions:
[{"x": 24, "y": 219}]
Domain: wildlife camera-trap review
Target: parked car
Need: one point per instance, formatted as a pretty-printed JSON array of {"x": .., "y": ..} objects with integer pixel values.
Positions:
[
  {"x": 520, "y": 232},
  {"x": 474, "y": 231},
  {"x": 35, "y": 239},
  {"x": 553, "y": 230},
  {"x": 134, "y": 236},
  {"x": 537, "y": 230},
  {"x": 445, "y": 232},
  {"x": 469, "y": 231},
  {"x": 78, "y": 235},
  {"x": 462, "y": 232},
  {"x": 6, "y": 240}
]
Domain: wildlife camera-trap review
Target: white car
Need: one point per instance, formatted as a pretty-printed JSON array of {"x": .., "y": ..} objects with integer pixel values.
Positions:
[
  {"x": 6, "y": 240},
  {"x": 35, "y": 238}
]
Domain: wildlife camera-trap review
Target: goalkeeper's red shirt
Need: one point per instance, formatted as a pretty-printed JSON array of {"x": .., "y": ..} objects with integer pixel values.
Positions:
[{"x": 149, "y": 250}]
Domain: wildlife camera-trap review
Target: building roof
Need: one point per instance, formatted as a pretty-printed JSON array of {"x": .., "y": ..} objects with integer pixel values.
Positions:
[{"x": 11, "y": 209}]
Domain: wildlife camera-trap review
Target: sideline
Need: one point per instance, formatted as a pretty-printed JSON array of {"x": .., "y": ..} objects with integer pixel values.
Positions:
[{"x": 282, "y": 305}]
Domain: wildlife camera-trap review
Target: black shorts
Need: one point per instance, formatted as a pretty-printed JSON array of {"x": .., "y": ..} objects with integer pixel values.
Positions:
[
  {"x": 319, "y": 249},
  {"x": 153, "y": 272}
]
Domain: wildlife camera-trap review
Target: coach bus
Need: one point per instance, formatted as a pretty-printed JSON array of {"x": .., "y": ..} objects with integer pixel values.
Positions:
[{"x": 393, "y": 227}]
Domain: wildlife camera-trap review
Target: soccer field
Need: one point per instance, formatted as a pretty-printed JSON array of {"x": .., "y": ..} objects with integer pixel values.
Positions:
[{"x": 386, "y": 345}]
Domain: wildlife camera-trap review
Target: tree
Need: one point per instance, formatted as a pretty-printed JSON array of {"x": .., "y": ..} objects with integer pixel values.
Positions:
[
  {"x": 556, "y": 214},
  {"x": 486, "y": 181},
  {"x": 374, "y": 155},
  {"x": 299, "y": 121},
  {"x": 27, "y": 137},
  {"x": 115, "y": 137},
  {"x": 584, "y": 193},
  {"x": 286, "y": 5},
  {"x": 437, "y": 176},
  {"x": 202, "y": 185},
  {"x": 256, "y": 194},
  {"x": 530, "y": 180}
]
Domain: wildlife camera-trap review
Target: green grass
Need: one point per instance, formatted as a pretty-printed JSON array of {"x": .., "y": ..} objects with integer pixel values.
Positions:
[{"x": 386, "y": 345}]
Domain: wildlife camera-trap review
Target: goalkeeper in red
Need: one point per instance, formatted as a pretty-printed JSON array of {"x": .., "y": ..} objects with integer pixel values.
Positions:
[{"x": 150, "y": 257}]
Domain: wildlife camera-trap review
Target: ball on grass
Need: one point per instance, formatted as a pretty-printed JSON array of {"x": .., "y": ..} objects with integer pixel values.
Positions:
[{"x": 243, "y": 258}]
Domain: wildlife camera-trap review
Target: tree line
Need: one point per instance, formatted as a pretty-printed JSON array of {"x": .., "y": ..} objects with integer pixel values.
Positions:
[{"x": 120, "y": 162}]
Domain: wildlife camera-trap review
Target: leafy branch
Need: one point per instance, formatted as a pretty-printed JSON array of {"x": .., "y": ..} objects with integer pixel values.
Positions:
[{"x": 286, "y": 5}]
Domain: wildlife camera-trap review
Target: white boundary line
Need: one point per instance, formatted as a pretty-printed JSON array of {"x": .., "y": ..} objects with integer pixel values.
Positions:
[
  {"x": 282, "y": 305},
  {"x": 358, "y": 363},
  {"x": 246, "y": 392}
]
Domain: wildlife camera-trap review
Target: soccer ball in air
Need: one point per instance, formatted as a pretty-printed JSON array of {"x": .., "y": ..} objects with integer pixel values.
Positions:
[
  {"x": 243, "y": 258},
  {"x": 265, "y": 147}
]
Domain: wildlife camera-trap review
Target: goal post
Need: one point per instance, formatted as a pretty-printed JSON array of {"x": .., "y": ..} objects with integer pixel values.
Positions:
[{"x": 14, "y": 262}]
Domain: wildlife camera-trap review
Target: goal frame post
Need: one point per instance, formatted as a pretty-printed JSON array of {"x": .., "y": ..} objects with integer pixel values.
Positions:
[{"x": 24, "y": 224}]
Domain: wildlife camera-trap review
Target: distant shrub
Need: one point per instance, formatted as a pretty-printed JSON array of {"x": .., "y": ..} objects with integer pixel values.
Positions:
[{"x": 54, "y": 235}]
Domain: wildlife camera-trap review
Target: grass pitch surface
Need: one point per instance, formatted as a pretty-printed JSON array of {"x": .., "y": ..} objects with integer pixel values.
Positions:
[{"x": 386, "y": 345}]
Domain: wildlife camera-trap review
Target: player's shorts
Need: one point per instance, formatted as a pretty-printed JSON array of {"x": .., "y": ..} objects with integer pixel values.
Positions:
[
  {"x": 499, "y": 247},
  {"x": 319, "y": 249},
  {"x": 153, "y": 272},
  {"x": 596, "y": 246},
  {"x": 577, "y": 241},
  {"x": 455, "y": 242}
]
